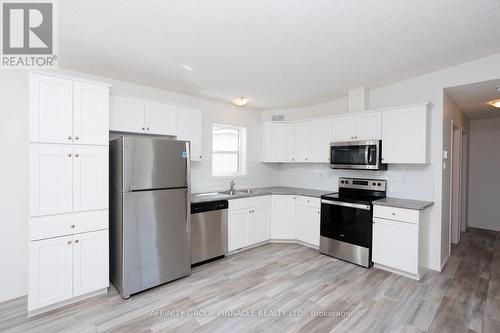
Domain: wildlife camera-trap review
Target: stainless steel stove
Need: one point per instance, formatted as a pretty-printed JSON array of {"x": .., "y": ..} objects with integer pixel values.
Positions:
[{"x": 346, "y": 219}]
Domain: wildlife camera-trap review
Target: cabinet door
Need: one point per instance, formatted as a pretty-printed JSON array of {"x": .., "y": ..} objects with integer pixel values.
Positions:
[
  {"x": 189, "y": 129},
  {"x": 90, "y": 262},
  {"x": 342, "y": 129},
  {"x": 51, "y": 109},
  {"x": 368, "y": 126},
  {"x": 50, "y": 179},
  {"x": 127, "y": 114},
  {"x": 237, "y": 233},
  {"x": 283, "y": 217},
  {"x": 90, "y": 178},
  {"x": 91, "y": 114},
  {"x": 259, "y": 219},
  {"x": 301, "y": 141},
  {"x": 320, "y": 136},
  {"x": 283, "y": 142},
  {"x": 50, "y": 272},
  {"x": 404, "y": 135},
  {"x": 307, "y": 223},
  {"x": 395, "y": 244},
  {"x": 161, "y": 118}
]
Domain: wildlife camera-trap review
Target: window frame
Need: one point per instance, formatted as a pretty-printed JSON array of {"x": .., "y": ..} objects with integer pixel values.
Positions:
[{"x": 240, "y": 152}]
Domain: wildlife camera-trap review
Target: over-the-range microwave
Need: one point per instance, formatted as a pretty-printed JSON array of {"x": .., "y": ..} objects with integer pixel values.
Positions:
[{"x": 359, "y": 155}]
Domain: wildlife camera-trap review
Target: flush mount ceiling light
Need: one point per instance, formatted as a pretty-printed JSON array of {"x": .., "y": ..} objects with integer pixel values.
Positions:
[
  {"x": 240, "y": 101},
  {"x": 495, "y": 103},
  {"x": 186, "y": 67}
]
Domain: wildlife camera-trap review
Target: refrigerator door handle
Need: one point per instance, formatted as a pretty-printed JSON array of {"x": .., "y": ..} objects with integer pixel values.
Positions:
[{"x": 188, "y": 211}]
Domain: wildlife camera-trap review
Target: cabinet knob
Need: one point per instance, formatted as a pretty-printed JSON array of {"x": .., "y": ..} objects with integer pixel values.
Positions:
[
  {"x": 306, "y": 158},
  {"x": 293, "y": 159},
  {"x": 393, "y": 214},
  {"x": 69, "y": 242},
  {"x": 147, "y": 128},
  {"x": 76, "y": 155},
  {"x": 72, "y": 226},
  {"x": 143, "y": 128},
  {"x": 77, "y": 137},
  {"x": 69, "y": 137},
  {"x": 76, "y": 241},
  {"x": 200, "y": 156},
  {"x": 69, "y": 154}
]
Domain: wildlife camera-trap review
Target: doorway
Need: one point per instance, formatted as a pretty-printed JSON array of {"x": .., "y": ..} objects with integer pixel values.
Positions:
[{"x": 456, "y": 184}]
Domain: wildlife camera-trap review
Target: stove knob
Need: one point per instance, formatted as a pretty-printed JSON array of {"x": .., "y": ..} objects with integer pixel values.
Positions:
[
  {"x": 379, "y": 184},
  {"x": 374, "y": 184}
]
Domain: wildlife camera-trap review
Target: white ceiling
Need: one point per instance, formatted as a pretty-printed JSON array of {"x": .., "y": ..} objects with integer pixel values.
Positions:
[
  {"x": 279, "y": 53},
  {"x": 473, "y": 99}
]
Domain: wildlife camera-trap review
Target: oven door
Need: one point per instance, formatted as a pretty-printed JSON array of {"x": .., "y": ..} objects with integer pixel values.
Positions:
[
  {"x": 347, "y": 222},
  {"x": 355, "y": 155}
]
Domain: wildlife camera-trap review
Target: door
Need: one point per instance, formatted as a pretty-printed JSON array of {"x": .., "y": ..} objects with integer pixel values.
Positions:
[
  {"x": 307, "y": 224},
  {"x": 91, "y": 114},
  {"x": 342, "y": 129},
  {"x": 259, "y": 219},
  {"x": 301, "y": 141},
  {"x": 320, "y": 135},
  {"x": 283, "y": 217},
  {"x": 404, "y": 136},
  {"x": 237, "y": 233},
  {"x": 156, "y": 238},
  {"x": 50, "y": 179},
  {"x": 90, "y": 178},
  {"x": 51, "y": 109},
  {"x": 127, "y": 114},
  {"x": 283, "y": 142},
  {"x": 347, "y": 222},
  {"x": 90, "y": 262},
  {"x": 395, "y": 244},
  {"x": 154, "y": 163},
  {"x": 189, "y": 129},
  {"x": 368, "y": 126},
  {"x": 50, "y": 272},
  {"x": 161, "y": 118}
]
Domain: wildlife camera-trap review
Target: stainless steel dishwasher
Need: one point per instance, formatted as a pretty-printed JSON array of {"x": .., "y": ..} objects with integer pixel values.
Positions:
[{"x": 208, "y": 230}]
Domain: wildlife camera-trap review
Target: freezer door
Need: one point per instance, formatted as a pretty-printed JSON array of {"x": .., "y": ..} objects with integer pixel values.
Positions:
[
  {"x": 156, "y": 238},
  {"x": 154, "y": 163}
]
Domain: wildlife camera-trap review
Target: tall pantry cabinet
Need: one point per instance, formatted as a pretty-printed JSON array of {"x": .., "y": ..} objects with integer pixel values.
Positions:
[{"x": 68, "y": 190}]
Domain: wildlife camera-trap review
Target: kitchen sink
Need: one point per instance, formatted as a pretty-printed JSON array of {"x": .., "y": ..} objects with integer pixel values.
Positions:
[{"x": 237, "y": 192}]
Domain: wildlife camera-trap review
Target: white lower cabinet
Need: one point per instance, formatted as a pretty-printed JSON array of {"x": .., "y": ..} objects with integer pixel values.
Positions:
[
  {"x": 399, "y": 240},
  {"x": 64, "y": 267},
  {"x": 283, "y": 217},
  {"x": 50, "y": 271},
  {"x": 249, "y": 222},
  {"x": 307, "y": 222}
]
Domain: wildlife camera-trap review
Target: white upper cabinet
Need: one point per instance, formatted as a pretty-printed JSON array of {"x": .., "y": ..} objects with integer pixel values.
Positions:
[
  {"x": 90, "y": 178},
  {"x": 50, "y": 179},
  {"x": 90, "y": 262},
  {"x": 320, "y": 135},
  {"x": 405, "y": 132},
  {"x": 50, "y": 271},
  {"x": 342, "y": 129},
  {"x": 161, "y": 118},
  {"x": 189, "y": 128},
  {"x": 283, "y": 142},
  {"x": 301, "y": 141},
  {"x": 362, "y": 126},
  {"x": 51, "y": 109},
  {"x": 127, "y": 114},
  {"x": 91, "y": 114}
]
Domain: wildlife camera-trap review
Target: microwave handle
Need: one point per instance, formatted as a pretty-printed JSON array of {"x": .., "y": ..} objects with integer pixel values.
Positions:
[{"x": 367, "y": 154}]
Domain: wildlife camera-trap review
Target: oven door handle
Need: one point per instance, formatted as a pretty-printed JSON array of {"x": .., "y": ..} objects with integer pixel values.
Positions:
[{"x": 346, "y": 204}]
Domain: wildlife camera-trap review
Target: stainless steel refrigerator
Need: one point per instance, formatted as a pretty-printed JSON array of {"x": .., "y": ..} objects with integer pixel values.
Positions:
[{"x": 150, "y": 211}]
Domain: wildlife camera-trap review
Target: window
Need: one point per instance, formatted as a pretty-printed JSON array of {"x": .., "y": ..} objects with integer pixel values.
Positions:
[{"x": 228, "y": 151}]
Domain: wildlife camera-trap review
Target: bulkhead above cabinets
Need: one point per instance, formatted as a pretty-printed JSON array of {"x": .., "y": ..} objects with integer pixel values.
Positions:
[{"x": 403, "y": 131}]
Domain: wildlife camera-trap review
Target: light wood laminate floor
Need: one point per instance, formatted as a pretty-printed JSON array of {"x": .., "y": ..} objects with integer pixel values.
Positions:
[{"x": 302, "y": 284}]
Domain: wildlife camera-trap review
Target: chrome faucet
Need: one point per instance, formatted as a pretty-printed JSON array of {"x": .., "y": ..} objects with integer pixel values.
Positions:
[{"x": 231, "y": 186}]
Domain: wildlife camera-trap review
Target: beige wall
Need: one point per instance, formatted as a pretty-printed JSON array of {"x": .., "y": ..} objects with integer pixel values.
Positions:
[{"x": 484, "y": 180}]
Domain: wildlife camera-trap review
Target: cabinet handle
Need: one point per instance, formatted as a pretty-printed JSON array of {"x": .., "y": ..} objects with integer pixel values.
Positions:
[
  {"x": 72, "y": 226},
  {"x": 77, "y": 137},
  {"x": 69, "y": 137},
  {"x": 69, "y": 242},
  {"x": 76, "y": 241},
  {"x": 69, "y": 154}
]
